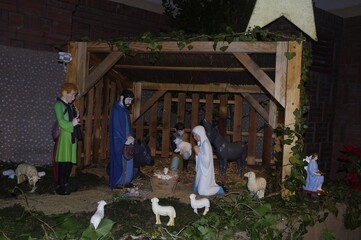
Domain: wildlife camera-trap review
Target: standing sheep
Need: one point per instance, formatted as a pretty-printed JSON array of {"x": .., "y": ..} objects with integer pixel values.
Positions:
[
  {"x": 99, "y": 214},
  {"x": 200, "y": 203},
  {"x": 159, "y": 210},
  {"x": 256, "y": 185}
]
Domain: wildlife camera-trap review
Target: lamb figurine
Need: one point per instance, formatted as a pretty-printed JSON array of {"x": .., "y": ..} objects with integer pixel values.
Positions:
[
  {"x": 159, "y": 210},
  {"x": 99, "y": 214},
  {"x": 183, "y": 148},
  {"x": 200, "y": 203},
  {"x": 30, "y": 172},
  {"x": 256, "y": 185}
]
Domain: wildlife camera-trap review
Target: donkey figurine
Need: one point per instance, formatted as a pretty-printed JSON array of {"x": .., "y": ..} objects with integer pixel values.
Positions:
[{"x": 226, "y": 151}]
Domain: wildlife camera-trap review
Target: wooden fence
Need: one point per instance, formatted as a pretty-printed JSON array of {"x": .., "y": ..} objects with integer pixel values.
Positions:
[{"x": 237, "y": 120}]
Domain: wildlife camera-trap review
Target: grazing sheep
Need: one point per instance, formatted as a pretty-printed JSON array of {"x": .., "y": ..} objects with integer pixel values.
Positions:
[
  {"x": 256, "y": 185},
  {"x": 99, "y": 214},
  {"x": 159, "y": 210},
  {"x": 200, "y": 203},
  {"x": 30, "y": 172}
]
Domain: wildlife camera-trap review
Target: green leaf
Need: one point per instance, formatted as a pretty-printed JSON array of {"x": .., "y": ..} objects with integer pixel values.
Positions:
[
  {"x": 181, "y": 45},
  {"x": 327, "y": 234},
  {"x": 290, "y": 55},
  {"x": 261, "y": 210},
  {"x": 224, "y": 48},
  {"x": 190, "y": 47},
  {"x": 296, "y": 161},
  {"x": 287, "y": 141},
  {"x": 152, "y": 45},
  {"x": 104, "y": 229}
]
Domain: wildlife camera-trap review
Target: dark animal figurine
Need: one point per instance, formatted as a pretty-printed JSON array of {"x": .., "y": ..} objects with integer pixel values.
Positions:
[
  {"x": 226, "y": 151},
  {"x": 141, "y": 157}
]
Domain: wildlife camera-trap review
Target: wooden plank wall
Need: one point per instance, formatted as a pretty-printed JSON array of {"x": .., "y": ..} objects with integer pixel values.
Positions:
[
  {"x": 95, "y": 112},
  {"x": 157, "y": 125}
]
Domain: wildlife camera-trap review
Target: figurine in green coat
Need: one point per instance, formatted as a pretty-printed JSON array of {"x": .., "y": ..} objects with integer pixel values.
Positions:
[{"x": 67, "y": 117}]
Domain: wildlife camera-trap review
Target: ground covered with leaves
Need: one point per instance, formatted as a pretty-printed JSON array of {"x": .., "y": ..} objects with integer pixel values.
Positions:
[{"x": 235, "y": 215}]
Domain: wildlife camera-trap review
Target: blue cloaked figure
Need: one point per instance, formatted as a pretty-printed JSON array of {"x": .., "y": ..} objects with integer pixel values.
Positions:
[{"x": 120, "y": 130}]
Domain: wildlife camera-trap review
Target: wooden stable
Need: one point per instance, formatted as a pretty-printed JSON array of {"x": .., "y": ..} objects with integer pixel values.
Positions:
[{"x": 101, "y": 72}]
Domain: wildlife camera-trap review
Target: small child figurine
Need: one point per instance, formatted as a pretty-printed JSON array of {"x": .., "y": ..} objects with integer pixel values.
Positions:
[{"x": 315, "y": 178}]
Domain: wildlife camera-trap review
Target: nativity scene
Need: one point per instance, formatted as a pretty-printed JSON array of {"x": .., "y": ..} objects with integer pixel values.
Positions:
[{"x": 190, "y": 131}]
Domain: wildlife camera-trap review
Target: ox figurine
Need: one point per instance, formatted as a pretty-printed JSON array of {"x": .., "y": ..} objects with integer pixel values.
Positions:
[
  {"x": 142, "y": 156},
  {"x": 226, "y": 151}
]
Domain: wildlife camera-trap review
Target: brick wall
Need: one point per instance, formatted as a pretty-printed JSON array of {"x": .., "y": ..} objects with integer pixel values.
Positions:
[
  {"x": 347, "y": 125},
  {"x": 41, "y": 24},
  {"x": 321, "y": 86}
]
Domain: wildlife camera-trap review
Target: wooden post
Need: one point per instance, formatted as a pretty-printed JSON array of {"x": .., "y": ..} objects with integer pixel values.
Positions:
[
  {"x": 209, "y": 107},
  {"x": 181, "y": 107},
  {"x": 223, "y": 104},
  {"x": 292, "y": 102},
  {"x": 194, "y": 117},
  {"x": 105, "y": 122},
  {"x": 88, "y": 128},
  {"x": 252, "y": 137},
  {"x": 153, "y": 118},
  {"x": 166, "y": 124},
  {"x": 97, "y": 121},
  {"x": 267, "y": 145},
  {"x": 76, "y": 72},
  {"x": 237, "y": 118}
]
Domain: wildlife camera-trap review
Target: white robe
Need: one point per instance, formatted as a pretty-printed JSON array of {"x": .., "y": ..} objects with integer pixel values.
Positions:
[{"x": 205, "y": 183}]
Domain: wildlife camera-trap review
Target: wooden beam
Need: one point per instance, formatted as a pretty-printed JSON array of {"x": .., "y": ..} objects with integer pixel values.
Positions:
[
  {"x": 254, "y": 103},
  {"x": 153, "y": 130},
  {"x": 223, "y": 114},
  {"x": 124, "y": 83},
  {"x": 97, "y": 122},
  {"x": 281, "y": 73},
  {"x": 194, "y": 117},
  {"x": 137, "y": 90},
  {"x": 255, "y": 70},
  {"x": 294, "y": 70},
  {"x": 209, "y": 107},
  {"x": 272, "y": 114},
  {"x": 237, "y": 118},
  {"x": 181, "y": 108},
  {"x": 101, "y": 69},
  {"x": 194, "y": 69},
  {"x": 213, "y": 88},
  {"x": 267, "y": 145},
  {"x": 166, "y": 124},
  {"x": 105, "y": 121},
  {"x": 88, "y": 139},
  {"x": 77, "y": 69},
  {"x": 150, "y": 102},
  {"x": 252, "y": 137},
  {"x": 199, "y": 46}
]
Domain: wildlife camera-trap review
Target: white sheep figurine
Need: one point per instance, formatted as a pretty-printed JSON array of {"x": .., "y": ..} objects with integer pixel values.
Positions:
[
  {"x": 99, "y": 214},
  {"x": 199, "y": 203},
  {"x": 182, "y": 146},
  {"x": 256, "y": 185},
  {"x": 159, "y": 210},
  {"x": 30, "y": 172}
]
